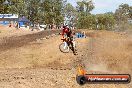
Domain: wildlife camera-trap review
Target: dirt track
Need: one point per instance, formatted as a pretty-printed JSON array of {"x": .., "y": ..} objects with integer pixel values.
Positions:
[
  {"x": 18, "y": 41},
  {"x": 40, "y": 64}
]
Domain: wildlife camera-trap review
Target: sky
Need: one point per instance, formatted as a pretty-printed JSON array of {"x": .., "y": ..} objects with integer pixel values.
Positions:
[{"x": 103, "y": 6}]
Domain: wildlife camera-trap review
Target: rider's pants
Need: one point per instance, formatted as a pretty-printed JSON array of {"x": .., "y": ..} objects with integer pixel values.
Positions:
[
  {"x": 74, "y": 44},
  {"x": 65, "y": 45}
]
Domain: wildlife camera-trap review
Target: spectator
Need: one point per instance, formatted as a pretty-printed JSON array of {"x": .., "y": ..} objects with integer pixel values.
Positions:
[{"x": 10, "y": 25}]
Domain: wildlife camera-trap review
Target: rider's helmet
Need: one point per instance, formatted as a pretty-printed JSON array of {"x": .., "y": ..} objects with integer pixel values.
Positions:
[{"x": 65, "y": 29}]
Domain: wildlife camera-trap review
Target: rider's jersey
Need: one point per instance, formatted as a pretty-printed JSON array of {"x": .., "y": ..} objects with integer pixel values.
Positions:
[{"x": 66, "y": 32}]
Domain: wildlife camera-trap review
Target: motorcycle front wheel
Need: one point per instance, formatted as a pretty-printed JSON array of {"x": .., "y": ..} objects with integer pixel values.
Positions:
[{"x": 64, "y": 49}]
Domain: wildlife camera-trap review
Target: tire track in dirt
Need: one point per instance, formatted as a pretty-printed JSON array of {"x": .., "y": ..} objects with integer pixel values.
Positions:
[{"x": 19, "y": 41}]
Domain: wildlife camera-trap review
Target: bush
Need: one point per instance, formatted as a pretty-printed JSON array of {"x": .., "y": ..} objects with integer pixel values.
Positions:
[
  {"x": 87, "y": 22},
  {"x": 100, "y": 21},
  {"x": 105, "y": 21}
]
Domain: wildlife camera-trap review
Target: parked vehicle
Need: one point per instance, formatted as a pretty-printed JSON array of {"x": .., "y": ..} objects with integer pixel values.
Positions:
[{"x": 42, "y": 27}]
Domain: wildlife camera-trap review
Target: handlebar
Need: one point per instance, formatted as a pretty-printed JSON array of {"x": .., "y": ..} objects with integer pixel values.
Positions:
[{"x": 63, "y": 39}]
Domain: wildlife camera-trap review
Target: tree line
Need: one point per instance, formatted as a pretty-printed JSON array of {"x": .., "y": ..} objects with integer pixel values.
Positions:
[
  {"x": 56, "y": 12},
  {"x": 42, "y": 11},
  {"x": 106, "y": 21}
]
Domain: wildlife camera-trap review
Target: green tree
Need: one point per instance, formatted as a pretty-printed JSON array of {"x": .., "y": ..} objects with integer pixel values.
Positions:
[
  {"x": 123, "y": 13},
  {"x": 87, "y": 22},
  {"x": 80, "y": 7},
  {"x": 88, "y": 5},
  {"x": 52, "y": 11},
  {"x": 130, "y": 12},
  {"x": 85, "y": 6},
  {"x": 70, "y": 13},
  {"x": 105, "y": 21},
  {"x": 85, "y": 18},
  {"x": 4, "y": 7}
]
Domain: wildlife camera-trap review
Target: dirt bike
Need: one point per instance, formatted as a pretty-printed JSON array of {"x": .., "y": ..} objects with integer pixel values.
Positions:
[{"x": 66, "y": 45}]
